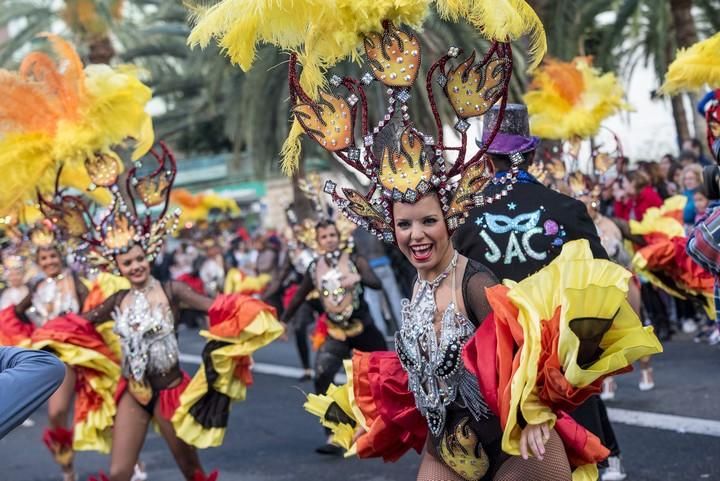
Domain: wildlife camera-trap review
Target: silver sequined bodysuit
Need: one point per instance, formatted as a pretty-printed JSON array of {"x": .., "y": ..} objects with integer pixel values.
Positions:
[
  {"x": 436, "y": 373},
  {"x": 50, "y": 300},
  {"x": 147, "y": 337}
]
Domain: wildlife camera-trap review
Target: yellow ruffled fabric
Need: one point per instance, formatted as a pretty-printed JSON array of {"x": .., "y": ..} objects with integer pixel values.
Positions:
[
  {"x": 237, "y": 282},
  {"x": 94, "y": 434},
  {"x": 582, "y": 287},
  {"x": 264, "y": 329},
  {"x": 571, "y": 99},
  {"x": 695, "y": 67},
  {"x": 344, "y": 397},
  {"x": 324, "y": 32},
  {"x": 660, "y": 220},
  {"x": 197, "y": 207}
]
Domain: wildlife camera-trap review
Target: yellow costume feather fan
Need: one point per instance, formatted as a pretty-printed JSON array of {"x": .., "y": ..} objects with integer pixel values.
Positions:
[
  {"x": 197, "y": 207},
  {"x": 695, "y": 67},
  {"x": 55, "y": 112},
  {"x": 324, "y": 32},
  {"x": 571, "y": 100}
]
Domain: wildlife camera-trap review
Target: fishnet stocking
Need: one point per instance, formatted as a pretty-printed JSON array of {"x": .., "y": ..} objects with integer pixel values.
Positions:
[
  {"x": 553, "y": 467},
  {"x": 432, "y": 469}
]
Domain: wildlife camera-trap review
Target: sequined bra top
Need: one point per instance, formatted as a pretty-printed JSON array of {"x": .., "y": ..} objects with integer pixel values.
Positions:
[
  {"x": 147, "y": 336},
  {"x": 53, "y": 297},
  {"x": 339, "y": 303},
  {"x": 433, "y": 361}
]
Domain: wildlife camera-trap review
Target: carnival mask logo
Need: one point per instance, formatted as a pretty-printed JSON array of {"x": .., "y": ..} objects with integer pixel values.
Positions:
[{"x": 521, "y": 229}]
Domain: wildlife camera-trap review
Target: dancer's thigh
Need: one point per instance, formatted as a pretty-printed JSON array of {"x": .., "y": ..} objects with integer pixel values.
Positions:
[
  {"x": 61, "y": 400},
  {"x": 186, "y": 456},
  {"x": 129, "y": 430},
  {"x": 553, "y": 467}
]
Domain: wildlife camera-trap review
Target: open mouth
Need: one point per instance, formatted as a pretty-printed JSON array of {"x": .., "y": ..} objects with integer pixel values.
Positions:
[{"x": 421, "y": 252}]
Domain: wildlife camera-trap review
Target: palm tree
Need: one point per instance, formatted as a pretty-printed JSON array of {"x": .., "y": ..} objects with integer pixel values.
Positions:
[
  {"x": 649, "y": 32},
  {"x": 88, "y": 22},
  {"x": 571, "y": 25}
]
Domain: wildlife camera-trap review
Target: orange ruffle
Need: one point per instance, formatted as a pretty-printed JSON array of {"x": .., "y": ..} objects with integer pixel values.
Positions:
[
  {"x": 553, "y": 387},
  {"x": 13, "y": 331},
  {"x": 231, "y": 314},
  {"x": 493, "y": 355},
  {"x": 87, "y": 399},
  {"x": 73, "y": 329},
  {"x": 509, "y": 336},
  {"x": 668, "y": 255},
  {"x": 581, "y": 446},
  {"x": 320, "y": 333},
  {"x": 95, "y": 297},
  {"x": 243, "y": 370},
  {"x": 394, "y": 425}
]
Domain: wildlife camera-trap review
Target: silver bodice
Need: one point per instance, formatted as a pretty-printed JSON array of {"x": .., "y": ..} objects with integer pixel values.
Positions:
[
  {"x": 147, "y": 337},
  {"x": 50, "y": 300},
  {"x": 433, "y": 361}
]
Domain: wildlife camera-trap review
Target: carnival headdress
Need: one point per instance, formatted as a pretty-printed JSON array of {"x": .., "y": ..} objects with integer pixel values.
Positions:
[
  {"x": 412, "y": 164},
  {"x": 321, "y": 34},
  {"x": 693, "y": 69},
  {"x": 569, "y": 100},
  {"x": 55, "y": 112},
  {"x": 123, "y": 225},
  {"x": 304, "y": 230}
]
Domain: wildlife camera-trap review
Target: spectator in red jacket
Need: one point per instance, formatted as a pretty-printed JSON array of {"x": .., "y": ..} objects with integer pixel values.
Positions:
[{"x": 635, "y": 197}]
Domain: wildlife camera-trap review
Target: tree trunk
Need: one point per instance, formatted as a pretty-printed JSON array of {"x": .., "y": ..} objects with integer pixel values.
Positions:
[
  {"x": 541, "y": 7},
  {"x": 681, "y": 124},
  {"x": 301, "y": 204},
  {"x": 685, "y": 36}
]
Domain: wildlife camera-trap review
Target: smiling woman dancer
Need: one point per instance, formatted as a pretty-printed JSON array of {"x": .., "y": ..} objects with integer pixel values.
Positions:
[
  {"x": 188, "y": 413},
  {"x": 55, "y": 112},
  {"x": 484, "y": 374}
]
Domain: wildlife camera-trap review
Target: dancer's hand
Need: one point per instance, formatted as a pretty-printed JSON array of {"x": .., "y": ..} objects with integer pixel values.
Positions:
[
  {"x": 358, "y": 432},
  {"x": 350, "y": 280},
  {"x": 533, "y": 439},
  {"x": 284, "y": 336}
]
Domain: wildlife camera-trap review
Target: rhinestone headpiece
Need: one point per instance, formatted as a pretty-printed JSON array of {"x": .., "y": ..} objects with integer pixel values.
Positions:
[
  {"x": 121, "y": 227},
  {"x": 412, "y": 165}
]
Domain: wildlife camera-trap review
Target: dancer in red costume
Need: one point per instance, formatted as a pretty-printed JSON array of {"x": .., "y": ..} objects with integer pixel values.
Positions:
[{"x": 189, "y": 413}]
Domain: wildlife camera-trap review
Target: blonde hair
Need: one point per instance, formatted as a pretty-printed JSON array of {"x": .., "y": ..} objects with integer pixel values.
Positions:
[{"x": 694, "y": 169}]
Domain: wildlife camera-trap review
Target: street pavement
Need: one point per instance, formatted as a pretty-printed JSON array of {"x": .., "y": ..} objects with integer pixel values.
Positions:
[{"x": 271, "y": 438}]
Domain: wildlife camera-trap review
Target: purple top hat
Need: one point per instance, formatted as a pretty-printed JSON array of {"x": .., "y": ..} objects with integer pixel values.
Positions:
[{"x": 514, "y": 134}]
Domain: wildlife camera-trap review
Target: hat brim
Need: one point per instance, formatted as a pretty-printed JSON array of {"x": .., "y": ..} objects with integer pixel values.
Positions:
[{"x": 508, "y": 144}]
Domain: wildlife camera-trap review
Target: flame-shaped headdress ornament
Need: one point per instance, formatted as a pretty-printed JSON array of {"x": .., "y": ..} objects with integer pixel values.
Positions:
[
  {"x": 122, "y": 226},
  {"x": 413, "y": 165}
]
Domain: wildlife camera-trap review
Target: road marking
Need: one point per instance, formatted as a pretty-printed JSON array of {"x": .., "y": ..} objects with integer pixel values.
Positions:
[
  {"x": 266, "y": 368},
  {"x": 668, "y": 422}
]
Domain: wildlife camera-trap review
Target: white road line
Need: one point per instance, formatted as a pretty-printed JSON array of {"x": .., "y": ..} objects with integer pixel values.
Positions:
[
  {"x": 669, "y": 422},
  {"x": 265, "y": 368}
]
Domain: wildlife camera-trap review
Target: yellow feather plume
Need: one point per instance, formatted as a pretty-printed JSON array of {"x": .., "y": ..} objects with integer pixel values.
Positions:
[
  {"x": 501, "y": 20},
  {"x": 55, "y": 112},
  {"x": 324, "y": 32},
  {"x": 197, "y": 207},
  {"x": 571, "y": 100},
  {"x": 695, "y": 67}
]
